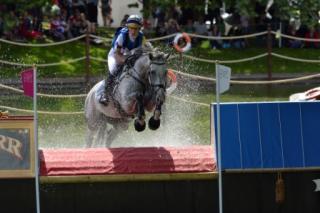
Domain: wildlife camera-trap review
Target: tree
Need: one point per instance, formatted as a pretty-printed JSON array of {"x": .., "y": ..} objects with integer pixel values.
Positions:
[
  {"x": 22, "y": 5},
  {"x": 305, "y": 10}
]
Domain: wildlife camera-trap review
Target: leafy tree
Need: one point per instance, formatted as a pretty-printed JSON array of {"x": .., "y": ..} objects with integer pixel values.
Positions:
[
  {"x": 22, "y": 5},
  {"x": 305, "y": 10}
]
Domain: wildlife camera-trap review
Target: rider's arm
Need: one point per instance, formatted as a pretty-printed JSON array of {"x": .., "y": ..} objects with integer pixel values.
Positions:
[
  {"x": 118, "y": 50},
  {"x": 119, "y": 56}
]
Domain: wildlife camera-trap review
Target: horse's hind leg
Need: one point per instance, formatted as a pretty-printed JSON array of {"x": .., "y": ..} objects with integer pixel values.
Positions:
[
  {"x": 139, "y": 123},
  {"x": 89, "y": 138},
  {"x": 114, "y": 131},
  {"x": 102, "y": 133}
]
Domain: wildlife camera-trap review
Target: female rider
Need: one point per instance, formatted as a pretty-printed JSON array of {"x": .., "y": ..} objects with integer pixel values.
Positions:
[{"x": 125, "y": 39}]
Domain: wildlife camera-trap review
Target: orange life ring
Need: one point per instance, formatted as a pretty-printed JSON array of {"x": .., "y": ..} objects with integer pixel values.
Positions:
[
  {"x": 184, "y": 37},
  {"x": 173, "y": 81}
]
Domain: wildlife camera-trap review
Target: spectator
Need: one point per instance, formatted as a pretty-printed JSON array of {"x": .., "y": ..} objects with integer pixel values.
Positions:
[
  {"x": 172, "y": 27},
  {"x": 312, "y": 34},
  {"x": 92, "y": 15},
  {"x": 124, "y": 20},
  {"x": 215, "y": 44},
  {"x": 294, "y": 43},
  {"x": 79, "y": 5},
  {"x": 74, "y": 24},
  {"x": 237, "y": 43},
  {"x": 106, "y": 12},
  {"x": 189, "y": 28},
  {"x": 58, "y": 28},
  {"x": 84, "y": 24},
  {"x": 200, "y": 29}
]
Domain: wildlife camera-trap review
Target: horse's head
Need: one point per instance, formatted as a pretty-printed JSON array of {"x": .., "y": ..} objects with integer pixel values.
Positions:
[{"x": 157, "y": 74}]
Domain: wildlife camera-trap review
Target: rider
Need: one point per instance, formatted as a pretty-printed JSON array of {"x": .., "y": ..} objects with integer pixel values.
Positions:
[{"x": 128, "y": 38}]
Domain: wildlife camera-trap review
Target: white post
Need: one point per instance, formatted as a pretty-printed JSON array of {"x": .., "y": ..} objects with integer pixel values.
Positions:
[
  {"x": 218, "y": 138},
  {"x": 36, "y": 147}
]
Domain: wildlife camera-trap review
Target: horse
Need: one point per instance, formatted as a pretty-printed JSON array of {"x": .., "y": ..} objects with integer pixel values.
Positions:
[{"x": 140, "y": 87}]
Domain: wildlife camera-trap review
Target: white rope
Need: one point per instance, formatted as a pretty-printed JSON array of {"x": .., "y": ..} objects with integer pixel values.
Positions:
[
  {"x": 69, "y": 61},
  {"x": 251, "y": 82},
  {"x": 295, "y": 59},
  {"x": 295, "y": 38},
  {"x": 40, "y": 112},
  {"x": 226, "y": 61},
  {"x": 191, "y": 102},
  {"x": 228, "y": 37},
  {"x": 42, "y": 45},
  {"x": 98, "y": 59},
  {"x": 42, "y": 94},
  {"x": 100, "y": 37},
  {"x": 162, "y": 38}
]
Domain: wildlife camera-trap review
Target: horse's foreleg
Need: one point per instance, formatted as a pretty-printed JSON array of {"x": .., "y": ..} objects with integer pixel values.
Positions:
[
  {"x": 139, "y": 123},
  {"x": 154, "y": 121}
]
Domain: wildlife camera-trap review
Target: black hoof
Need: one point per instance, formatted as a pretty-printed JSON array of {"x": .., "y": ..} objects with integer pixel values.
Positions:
[
  {"x": 153, "y": 124},
  {"x": 139, "y": 127}
]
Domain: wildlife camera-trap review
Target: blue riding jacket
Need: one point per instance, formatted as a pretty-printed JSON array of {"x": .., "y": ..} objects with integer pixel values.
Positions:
[{"x": 127, "y": 44}]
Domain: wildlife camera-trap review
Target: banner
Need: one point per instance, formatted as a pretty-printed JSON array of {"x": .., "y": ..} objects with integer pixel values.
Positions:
[
  {"x": 17, "y": 153},
  {"x": 27, "y": 81}
]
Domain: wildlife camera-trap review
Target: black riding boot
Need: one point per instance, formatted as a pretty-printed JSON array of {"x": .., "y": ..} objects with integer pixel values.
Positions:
[{"x": 108, "y": 88}]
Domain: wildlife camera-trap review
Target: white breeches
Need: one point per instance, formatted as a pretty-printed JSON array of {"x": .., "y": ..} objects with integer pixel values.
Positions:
[{"x": 112, "y": 65}]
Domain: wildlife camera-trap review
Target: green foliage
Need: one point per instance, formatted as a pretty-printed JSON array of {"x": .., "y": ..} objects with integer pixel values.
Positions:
[
  {"x": 306, "y": 10},
  {"x": 22, "y": 5}
]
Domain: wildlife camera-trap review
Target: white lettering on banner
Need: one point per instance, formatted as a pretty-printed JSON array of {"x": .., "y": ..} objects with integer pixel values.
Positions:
[{"x": 11, "y": 145}]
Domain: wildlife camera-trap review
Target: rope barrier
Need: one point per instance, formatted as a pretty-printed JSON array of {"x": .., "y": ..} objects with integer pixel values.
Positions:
[
  {"x": 100, "y": 37},
  {"x": 98, "y": 59},
  {"x": 42, "y": 94},
  {"x": 42, "y": 45},
  {"x": 228, "y": 37},
  {"x": 69, "y": 61},
  {"x": 290, "y": 80},
  {"x": 226, "y": 61},
  {"x": 187, "y": 101},
  {"x": 294, "y": 37},
  {"x": 295, "y": 59},
  {"x": 40, "y": 112},
  {"x": 162, "y": 38}
]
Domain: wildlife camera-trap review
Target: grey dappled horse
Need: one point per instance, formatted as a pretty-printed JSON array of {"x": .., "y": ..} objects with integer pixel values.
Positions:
[{"x": 139, "y": 88}]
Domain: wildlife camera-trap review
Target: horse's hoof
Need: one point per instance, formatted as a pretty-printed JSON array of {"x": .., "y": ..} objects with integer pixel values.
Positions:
[
  {"x": 153, "y": 124},
  {"x": 138, "y": 126}
]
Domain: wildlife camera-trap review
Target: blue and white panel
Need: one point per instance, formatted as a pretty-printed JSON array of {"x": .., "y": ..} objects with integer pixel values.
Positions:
[{"x": 269, "y": 135}]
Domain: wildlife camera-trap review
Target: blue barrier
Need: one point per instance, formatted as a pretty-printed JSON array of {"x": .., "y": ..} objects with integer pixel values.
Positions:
[{"x": 269, "y": 135}]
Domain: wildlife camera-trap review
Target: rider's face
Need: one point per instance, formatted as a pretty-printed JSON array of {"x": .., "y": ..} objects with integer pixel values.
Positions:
[{"x": 133, "y": 31}]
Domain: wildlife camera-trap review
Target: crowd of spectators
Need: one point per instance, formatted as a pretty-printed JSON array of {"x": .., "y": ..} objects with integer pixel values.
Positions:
[
  {"x": 66, "y": 19},
  {"x": 63, "y": 19},
  {"x": 176, "y": 20}
]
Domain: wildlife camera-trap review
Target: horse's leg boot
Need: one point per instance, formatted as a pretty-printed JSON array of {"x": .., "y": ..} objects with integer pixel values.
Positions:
[{"x": 108, "y": 88}]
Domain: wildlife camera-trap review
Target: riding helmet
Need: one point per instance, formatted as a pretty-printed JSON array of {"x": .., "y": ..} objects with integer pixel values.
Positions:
[{"x": 134, "y": 21}]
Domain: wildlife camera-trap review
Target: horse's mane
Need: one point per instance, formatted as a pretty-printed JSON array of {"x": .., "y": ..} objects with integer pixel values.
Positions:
[{"x": 147, "y": 50}]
